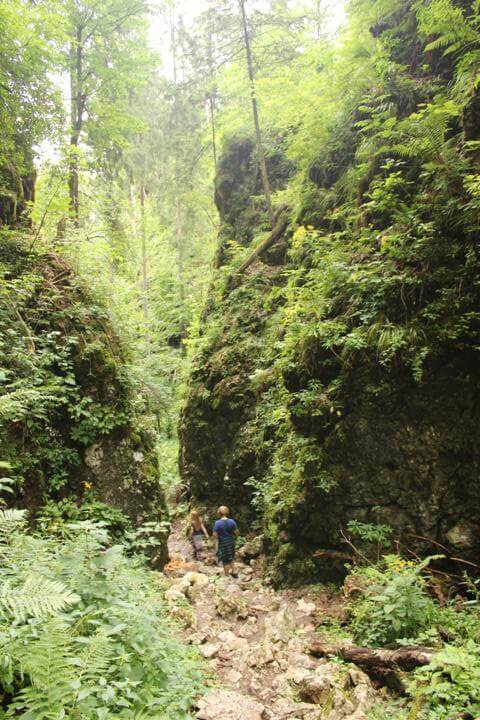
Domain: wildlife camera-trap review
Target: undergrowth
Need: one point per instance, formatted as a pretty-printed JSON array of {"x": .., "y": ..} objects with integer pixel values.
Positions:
[
  {"x": 394, "y": 603},
  {"x": 84, "y": 634}
]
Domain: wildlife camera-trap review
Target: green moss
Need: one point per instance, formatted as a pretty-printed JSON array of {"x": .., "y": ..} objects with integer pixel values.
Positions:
[
  {"x": 287, "y": 568},
  {"x": 68, "y": 416}
]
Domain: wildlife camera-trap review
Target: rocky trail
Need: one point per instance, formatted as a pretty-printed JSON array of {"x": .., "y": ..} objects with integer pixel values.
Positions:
[{"x": 256, "y": 642}]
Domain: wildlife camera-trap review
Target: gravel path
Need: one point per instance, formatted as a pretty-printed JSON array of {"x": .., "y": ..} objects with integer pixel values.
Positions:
[{"x": 255, "y": 641}]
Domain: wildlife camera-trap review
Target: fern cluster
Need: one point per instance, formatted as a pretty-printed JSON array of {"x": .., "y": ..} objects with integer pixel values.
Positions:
[{"x": 83, "y": 632}]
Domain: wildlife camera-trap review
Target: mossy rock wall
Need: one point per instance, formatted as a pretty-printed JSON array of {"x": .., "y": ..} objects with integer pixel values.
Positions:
[
  {"x": 68, "y": 424},
  {"x": 16, "y": 191},
  {"x": 338, "y": 378}
]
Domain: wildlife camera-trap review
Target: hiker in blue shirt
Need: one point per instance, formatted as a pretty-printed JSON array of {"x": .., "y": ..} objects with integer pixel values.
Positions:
[{"x": 225, "y": 532}]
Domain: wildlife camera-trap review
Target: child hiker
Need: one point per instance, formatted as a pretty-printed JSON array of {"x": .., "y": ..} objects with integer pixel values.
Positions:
[
  {"x": 196, "y": 533},
  {"x": 225, "y": 532}
]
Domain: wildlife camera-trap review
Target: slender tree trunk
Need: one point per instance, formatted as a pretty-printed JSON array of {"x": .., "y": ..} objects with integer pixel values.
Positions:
[
  {"x": 318, "y": 23},
  {"x": 256, "y": 118},
  {"x": 180, "y": 263},
  {"x": 275, "y": 235},
  {"x": 211, "y": 103},
  {"x": 174, "y": 46},
  {"x": 179, "y": 240},
  {"x": 212, "y": 93},
  {"x": 143, "y": 231},
  {"x": 76, "y": 120}
]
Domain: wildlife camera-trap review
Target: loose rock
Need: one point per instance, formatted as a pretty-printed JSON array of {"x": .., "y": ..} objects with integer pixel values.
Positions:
[
  {"x": 209, "y": 650},
  {"x": 229, "y": 705}
]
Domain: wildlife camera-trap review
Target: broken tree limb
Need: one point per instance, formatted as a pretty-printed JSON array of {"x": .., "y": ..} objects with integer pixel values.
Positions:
[
  {"x": 277, "y": 232},
  {"x": 335, "y": 555},
  {"x": 404, "y": 658},
  {"x": 379, "y": 664}
]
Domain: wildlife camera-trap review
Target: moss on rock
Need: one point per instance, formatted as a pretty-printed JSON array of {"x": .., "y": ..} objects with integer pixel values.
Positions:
[
  {"x": 346, "y": 388},
  {"x": 67, "y": 413}
]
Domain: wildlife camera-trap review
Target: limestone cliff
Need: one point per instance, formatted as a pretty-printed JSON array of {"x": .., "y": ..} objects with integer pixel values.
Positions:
[
  {"x": 68, "y": 426},
  {"x": 337, "y": 378}
]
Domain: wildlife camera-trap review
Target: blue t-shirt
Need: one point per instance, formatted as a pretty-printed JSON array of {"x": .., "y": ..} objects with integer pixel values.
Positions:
[{"x": 225, "y": 527}]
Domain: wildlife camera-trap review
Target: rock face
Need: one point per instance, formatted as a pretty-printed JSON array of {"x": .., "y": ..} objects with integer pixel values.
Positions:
[
  {"x": 347, "y": 388},
  {"x": 15, "y": 192},
  {"x": 68, "y": 425}
]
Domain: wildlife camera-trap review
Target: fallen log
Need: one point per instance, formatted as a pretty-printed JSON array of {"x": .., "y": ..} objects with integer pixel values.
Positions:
[
  {"x": 380, "y": 665},
  {"x": 276, "y": 234}
]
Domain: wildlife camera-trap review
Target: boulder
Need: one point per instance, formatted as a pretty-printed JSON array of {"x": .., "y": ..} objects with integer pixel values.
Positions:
[
  {"x": 209, "y": 650},
  {"x": 232, "y": 604},
  {"x": 229, "y": 705},
  {"x": 260, "y": 655},
  {"x": 317, "y": 687},
  {"x": 234, "y": 676},
  {"x": 252, "y": 548},
  {"x": 306, "y": 608},
  {"x": 189, "y": 585},
  {"x": 231, "y": 642},
  {"x": 280, "y": 626}
]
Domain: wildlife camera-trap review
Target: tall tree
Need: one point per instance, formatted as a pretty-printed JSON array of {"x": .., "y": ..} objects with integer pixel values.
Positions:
[
  {"x": 256, "y": 119},
  {"x": 99, "y": 34},
  {"x": 29, "y": 102}
]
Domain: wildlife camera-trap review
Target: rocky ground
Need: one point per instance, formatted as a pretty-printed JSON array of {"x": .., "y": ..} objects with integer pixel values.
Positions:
[{"x": 256, "y": 641}]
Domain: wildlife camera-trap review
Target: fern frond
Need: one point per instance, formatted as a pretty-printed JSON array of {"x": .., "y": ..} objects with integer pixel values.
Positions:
[
  {"x": 46, "y": 663},
  {"x": 37, "y": 597},
  {"x": 11, "y": 521},
  {"x": 96, "y": 657}
]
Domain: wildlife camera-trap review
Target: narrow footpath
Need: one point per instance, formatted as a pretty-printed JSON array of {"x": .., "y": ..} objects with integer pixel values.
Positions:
[{"x": 256, "y": 640}]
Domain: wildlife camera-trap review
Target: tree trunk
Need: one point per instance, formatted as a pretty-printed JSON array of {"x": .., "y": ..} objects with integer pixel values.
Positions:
[
  {"x": 212, "y": 91},
  {"x": 318, "y": 22},
  {"x": 381, "y": 665},
  {"x": 275, "y": 235},
  {"x": 76, "y": 120},
  {"x": 256, "y": 119},
  {"x": 179, "y": 240},
  {"x": 143, "y": 231},
  {"x": 211, "y": 103}
]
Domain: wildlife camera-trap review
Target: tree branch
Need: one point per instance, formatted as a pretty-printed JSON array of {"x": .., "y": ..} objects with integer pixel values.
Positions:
[{"x": 277, "y": 232}]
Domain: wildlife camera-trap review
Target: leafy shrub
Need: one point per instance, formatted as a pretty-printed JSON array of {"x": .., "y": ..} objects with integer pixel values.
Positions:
[
  {"x": 450, "y": 683},
  {"x": 394, "y": 604},
  {"x": 147, "y": 537},
  {"x": 84, "y": 633},
  {"x": 55, "y": 518},
  {"x": 370, "y": 532},
  {"x": 373, "y": 534}
]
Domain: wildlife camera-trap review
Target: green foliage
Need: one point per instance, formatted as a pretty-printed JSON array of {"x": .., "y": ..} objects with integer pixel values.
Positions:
[
  {"x": 373, "y": 536},
  {"x": 147, "y": 536},
  {"x": 355, "y": 326},
  {"x": 60, "y": 518},
  {"x": 370, "y": 532},
  {"x": 84, "y": 632},
  {"x": 63, "y": 377},
  {"x": 29, "y": 104},
  {"x": 394, "y": 605},
  {"x": 449, "y": 684}
]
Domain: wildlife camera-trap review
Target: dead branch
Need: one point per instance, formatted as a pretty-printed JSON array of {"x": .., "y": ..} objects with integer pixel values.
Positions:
[
  {"x": 277, "y": 232},
  {"x": 355, "y": 549},
  {"x": 380, "y": 665},
  {"x": 333, "y": 555}
]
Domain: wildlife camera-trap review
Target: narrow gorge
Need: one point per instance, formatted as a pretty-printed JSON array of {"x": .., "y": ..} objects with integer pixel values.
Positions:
[{"x": 239, "y": 360}]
